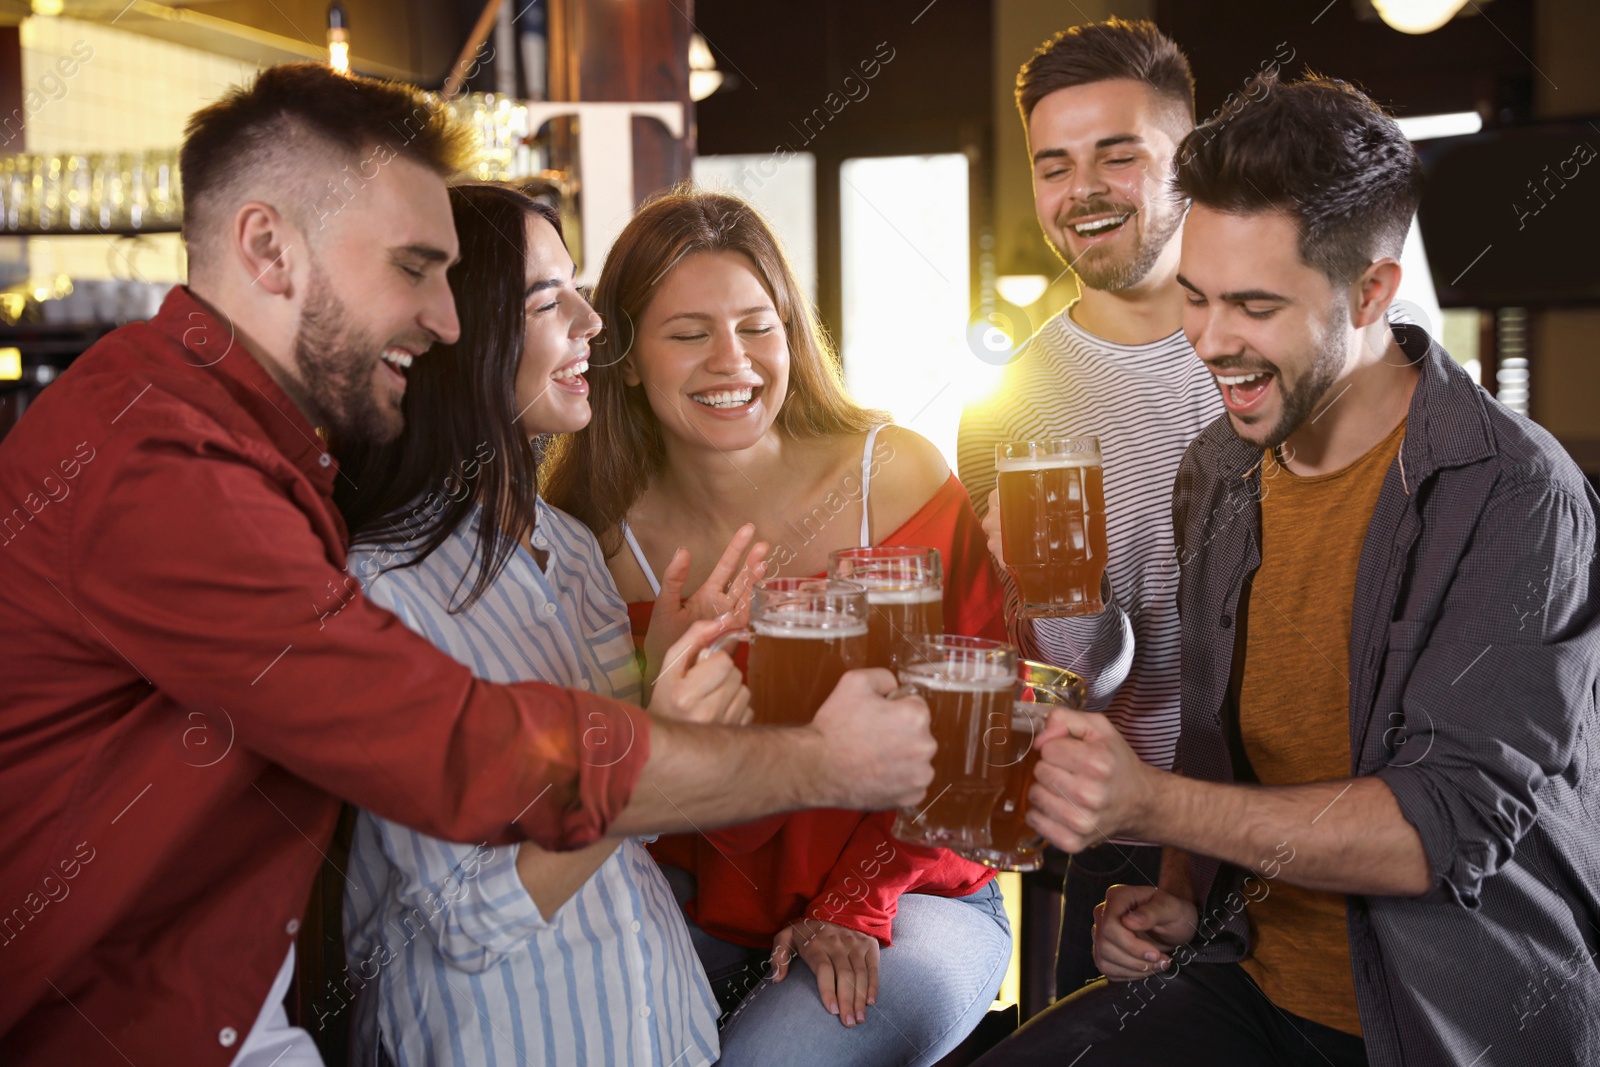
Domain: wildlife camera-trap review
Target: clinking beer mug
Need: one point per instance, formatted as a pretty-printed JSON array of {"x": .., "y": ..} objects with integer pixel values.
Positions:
[
  {"x": 804, "y": 634},
  {"x": 1011, "y": 747},
  {"x": 905, "y": 592},
  {"x": 968, "y": 683}
]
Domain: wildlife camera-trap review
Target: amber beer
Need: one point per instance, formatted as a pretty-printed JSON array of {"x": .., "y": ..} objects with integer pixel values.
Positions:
[
  {"x": 1053, "y": 523},
  {"x": 897, "y": 614},
  {"x": 804, "y": 634},
  {"x": 905, "y": 594},
  {"x": 796, "y": 659},
  {"x": 967, "y": 682},
  {"x": 1013, "y": 749}
]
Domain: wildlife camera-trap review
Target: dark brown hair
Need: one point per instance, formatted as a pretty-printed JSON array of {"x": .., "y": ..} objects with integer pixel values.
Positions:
[
  {"x": 462, "y": 444},
  {"x": 1318, "y": 149},
  {"x": 295, "y": 109},
  {"x": 598, "y": 473},
  {"x": 1100, "y": 51}
]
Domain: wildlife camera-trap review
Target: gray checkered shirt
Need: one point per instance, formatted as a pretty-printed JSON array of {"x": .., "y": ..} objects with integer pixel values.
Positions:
[{"x": 1474, "y": 655}]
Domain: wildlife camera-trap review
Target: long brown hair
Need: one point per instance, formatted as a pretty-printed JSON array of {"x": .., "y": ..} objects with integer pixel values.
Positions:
[{"x": 598, "y": 473}]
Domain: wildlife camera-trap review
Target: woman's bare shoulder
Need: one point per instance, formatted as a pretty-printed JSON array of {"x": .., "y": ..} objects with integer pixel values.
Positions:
[{"x": 906, "y": 471}]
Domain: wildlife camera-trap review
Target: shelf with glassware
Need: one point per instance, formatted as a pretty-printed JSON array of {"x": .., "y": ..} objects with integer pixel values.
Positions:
[{"x": 110, "y": 194}]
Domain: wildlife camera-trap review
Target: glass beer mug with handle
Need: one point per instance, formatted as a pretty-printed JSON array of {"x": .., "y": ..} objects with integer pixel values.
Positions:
[
  {"x": 967, "y": 682},
  {"x": 1053, "y": 523},
  {"x": 804, "y": 634},
  {"x": 1011, "y": 749},
  {"x": 905, "y": 592}
]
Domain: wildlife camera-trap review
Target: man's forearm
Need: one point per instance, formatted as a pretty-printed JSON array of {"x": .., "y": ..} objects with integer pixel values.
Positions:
[
  {"x": 701, "y": 777},
  {"x": 1174, "y": 877},
  {"x": 1347, "y": 836}
]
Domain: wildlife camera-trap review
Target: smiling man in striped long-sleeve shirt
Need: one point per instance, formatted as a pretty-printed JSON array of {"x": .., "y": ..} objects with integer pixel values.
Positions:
[{"x": 1104, "y": 106}]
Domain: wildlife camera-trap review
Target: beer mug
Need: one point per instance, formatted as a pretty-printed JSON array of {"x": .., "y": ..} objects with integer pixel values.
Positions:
[
  {"x": 968, "y": 683},
  {"x": 1053, "y": 523},
  {"x": 804, "y": 634},
  {"x": 1011, "y": 749},
  {"x": 905, "y": 592}
]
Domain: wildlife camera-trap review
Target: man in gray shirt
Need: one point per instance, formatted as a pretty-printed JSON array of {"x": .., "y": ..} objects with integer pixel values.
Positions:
[{"x": 1455, "y": 834}]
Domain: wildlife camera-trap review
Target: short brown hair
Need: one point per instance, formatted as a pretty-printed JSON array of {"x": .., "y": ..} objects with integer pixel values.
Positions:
[
  {"x": 600, "y": 472},
  {"x": 296, "y": 110},
  {"x": 1319, "y": 149},
  {"x": 1100, "y": 51}
]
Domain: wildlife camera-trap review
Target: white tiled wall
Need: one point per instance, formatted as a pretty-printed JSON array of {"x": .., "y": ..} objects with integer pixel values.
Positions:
[{"x": 133, "y": 93}]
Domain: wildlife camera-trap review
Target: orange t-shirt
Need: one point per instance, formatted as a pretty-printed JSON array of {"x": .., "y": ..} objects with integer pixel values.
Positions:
[{"x": 1294, "y": 707}]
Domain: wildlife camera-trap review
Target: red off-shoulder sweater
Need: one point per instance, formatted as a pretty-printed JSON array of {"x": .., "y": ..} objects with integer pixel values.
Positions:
[{"x": 841, "y": 866}]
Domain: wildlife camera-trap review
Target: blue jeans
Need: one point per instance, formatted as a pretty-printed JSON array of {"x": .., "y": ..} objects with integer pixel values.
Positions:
[{"x": 934, "y": 985}]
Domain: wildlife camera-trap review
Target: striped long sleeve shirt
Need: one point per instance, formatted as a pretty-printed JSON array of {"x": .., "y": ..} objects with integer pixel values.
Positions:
[
  {"x": 460, "y": 968},
  {"x": 1145, "y": 403}
]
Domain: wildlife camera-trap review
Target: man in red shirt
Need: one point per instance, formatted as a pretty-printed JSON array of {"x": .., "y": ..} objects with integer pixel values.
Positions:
[{"x": 192, "y": 686}]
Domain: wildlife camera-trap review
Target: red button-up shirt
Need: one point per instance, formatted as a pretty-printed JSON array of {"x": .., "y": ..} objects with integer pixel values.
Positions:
[{"x": 190, "y": 684}]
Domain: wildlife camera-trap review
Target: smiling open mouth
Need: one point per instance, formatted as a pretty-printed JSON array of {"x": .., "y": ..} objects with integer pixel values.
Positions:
[
  {"x": 727, "y": 399},
  {"x": 398, "y": 360},
  {"x": 1096, "y": 227},
  {"x": 1243, "y": 390},
  {"x": 567, "y": 374}
]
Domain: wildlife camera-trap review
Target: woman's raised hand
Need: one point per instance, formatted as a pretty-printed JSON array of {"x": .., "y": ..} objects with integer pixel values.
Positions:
[
  {"x": 724, "y": 596},
  {"x": 696, "y": 688}
]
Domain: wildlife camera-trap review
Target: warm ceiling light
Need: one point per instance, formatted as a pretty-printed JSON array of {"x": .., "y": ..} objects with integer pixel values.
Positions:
[
  {"x": 1021, "y": 290},
  {"x": 1417, "y": 16},
  {"x": 338, "y": 38},
  {"x": 704, "y": 77},
  {"x": 49, "y": 8},
  {"x": 1452, "y": 124}
]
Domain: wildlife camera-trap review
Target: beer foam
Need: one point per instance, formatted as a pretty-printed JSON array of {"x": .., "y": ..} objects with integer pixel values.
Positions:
[
  {"x": 1045, "y": 463},
  {"x": 893, "y": 594},
  {"x": 810, "y": 625},
  {"x": 959, "y": 677}
]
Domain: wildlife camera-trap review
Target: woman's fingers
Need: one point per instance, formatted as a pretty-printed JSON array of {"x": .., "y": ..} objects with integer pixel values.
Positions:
[
  {"x": 681, "y": 658},
  {"x": 782, "y": 953},
  {"x": 740, "y": 713},
  {"x": 722, "y": 573},
  {"x": 872, "y": 973},
  {"x": 860, "y": 983},
  {"x": 673, "y": 576},
  {"x": 827, "y": 988},
  {"x": 754, "y": 569},
  {"x": 726, "y": 695}
]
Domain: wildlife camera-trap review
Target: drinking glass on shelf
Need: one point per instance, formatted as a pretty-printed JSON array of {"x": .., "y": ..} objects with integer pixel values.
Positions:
[
  {"x": 105, "y": 196},
  {"x": 77, "y": 181},
  {"x": 905, "y": 590},
  {"x": 1053, "y": 523},
  {"x": 968, "y": 684},
  {"x": 135, "y": 189},
  {"x": 49, "y": 206},
  {"x": 804, "y": 634},
  {"x": 11, "y": 193},
  {"x": 161, "y": 176},
  {"x": 1011, "y": 748}
]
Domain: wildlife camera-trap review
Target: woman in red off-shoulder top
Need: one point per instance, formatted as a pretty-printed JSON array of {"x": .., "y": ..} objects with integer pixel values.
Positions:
[{"x": 717, "y": 403}]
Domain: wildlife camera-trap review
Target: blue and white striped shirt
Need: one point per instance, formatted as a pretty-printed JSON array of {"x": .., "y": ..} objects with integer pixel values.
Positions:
[{"x": 611, "y": 977}]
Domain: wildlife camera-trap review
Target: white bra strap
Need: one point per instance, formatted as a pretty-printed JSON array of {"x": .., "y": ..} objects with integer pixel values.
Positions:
[
  {"x": 866, "y": 484},
  {"x": 638, "y": 554}
]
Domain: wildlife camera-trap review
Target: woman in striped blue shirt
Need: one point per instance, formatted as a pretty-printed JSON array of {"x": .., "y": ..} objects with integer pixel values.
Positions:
[{"x": 464, "y": 954}]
